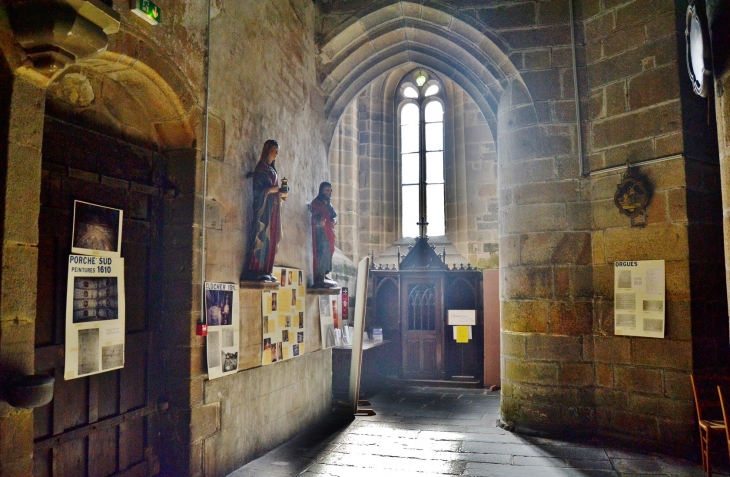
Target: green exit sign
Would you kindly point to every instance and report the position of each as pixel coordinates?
(148, 11)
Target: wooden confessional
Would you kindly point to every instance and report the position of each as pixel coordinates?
(411, 302)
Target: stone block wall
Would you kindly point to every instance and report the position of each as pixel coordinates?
(644, 380)
(258, 409)
(639, 108)
(546, 282)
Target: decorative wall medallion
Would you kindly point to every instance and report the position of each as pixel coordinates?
(631, 197)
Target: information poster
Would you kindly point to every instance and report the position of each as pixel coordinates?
(283, 317)
(330, 320)
(221, 310)
(639, 298)
(95, 315)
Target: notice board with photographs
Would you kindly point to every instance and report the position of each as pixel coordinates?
(283, 317)
(95, 300)
(639, 298)
(221, 313)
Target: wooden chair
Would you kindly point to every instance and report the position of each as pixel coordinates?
(709, 412)
(724, 393)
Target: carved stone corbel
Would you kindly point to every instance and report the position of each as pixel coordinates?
(56, 33)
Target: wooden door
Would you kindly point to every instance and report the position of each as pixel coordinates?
(464, 360)
(104, 424)
(422, 328)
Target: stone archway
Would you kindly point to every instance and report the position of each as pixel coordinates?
(544, 219)
(147, 166)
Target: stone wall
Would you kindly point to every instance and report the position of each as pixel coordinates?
(640, 108)
(263, 86)
(262, 408)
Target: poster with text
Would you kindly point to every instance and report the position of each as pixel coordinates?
(639, 298)
(221, 314)
(97, 230)
(326, 322)
(95, 319)
(282, 310)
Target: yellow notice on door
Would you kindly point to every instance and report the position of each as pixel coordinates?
(462, 333)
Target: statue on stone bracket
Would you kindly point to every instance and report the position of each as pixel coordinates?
(324, 219)
(266, 227)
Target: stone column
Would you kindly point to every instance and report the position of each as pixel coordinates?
(545, 268)
(22, 106)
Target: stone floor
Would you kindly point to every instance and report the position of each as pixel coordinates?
(428, 432)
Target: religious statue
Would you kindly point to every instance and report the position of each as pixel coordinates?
(266, 228)
(324, 219)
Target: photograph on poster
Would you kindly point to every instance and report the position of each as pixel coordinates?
(653, 305)
(624, 279)
(626, 321)
(653, 325)
(283, 317)
(112, 356)
(227, 337)
(88, 351)
(230, 361)
(95, 299)
(97, 230)
(218, 307)
(214, 352)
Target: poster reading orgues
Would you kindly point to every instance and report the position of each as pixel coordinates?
(639, 298)
(221, 310)
(95, 319)
(283, 317)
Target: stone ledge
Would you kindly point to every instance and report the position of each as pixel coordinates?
(324, 291)
(258, 285)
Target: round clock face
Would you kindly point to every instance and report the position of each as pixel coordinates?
(696, 52)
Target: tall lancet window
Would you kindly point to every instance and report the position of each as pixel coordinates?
(421, 138)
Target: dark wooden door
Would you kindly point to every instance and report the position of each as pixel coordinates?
(105, 424)
(464, 361)
(422, 328)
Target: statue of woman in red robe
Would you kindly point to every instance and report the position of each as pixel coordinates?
(266, 228)
(324, 219)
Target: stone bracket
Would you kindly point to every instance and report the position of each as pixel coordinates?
(56, 34)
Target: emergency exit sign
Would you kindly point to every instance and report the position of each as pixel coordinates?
(148, 11)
